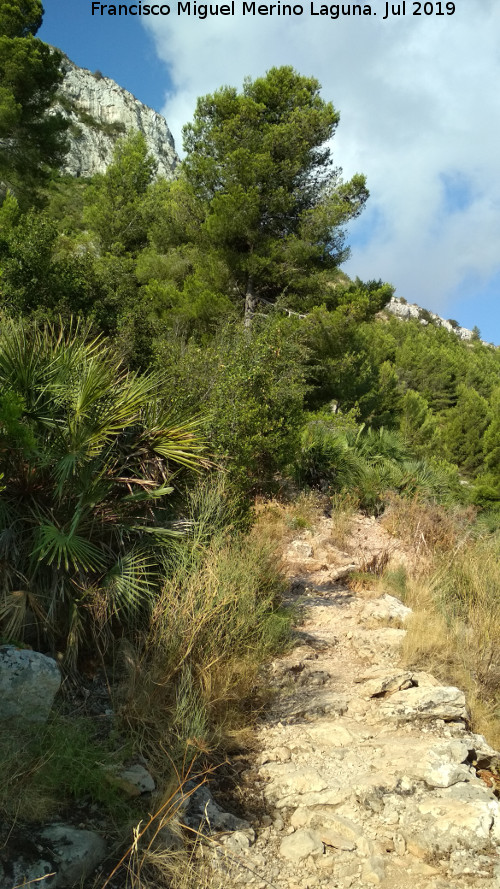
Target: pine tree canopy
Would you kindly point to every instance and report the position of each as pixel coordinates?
(31, 137)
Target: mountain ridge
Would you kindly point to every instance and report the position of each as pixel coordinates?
(401, 309)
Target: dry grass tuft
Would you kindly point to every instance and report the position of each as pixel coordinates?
(218, 617)
(455, 630)
(426, 528)
(279, 520)
(344, 507)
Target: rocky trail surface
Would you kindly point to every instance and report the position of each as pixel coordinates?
(366, 773)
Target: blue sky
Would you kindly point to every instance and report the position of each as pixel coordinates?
(420, 116)
(119, 47)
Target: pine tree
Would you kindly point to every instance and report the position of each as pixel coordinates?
(31, 139)
(259, 177)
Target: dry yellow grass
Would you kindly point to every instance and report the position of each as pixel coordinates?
(425, 527)
(278, 521)
(344, 507)
(454, 633)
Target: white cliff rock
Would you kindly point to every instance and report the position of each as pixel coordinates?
(407, 312)
(100, 113)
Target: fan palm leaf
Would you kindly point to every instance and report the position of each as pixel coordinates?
(83, 507)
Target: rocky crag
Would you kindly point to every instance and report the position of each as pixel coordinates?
(367, 773)
(399, 307)
(100, 112)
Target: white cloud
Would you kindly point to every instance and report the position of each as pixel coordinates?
(418, 98)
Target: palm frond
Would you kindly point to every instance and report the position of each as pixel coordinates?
(88, 487)
(131, 582)
(179, 443)
(146, 492)
(54, 546)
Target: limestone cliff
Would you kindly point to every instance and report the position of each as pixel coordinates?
(401, 309)
(100, 112)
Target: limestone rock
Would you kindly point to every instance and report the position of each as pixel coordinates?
(29, 682)
(138, 779)
(438, 702)
(299, 845)
(336, 840)
(299, 550)
(385, 685)
(444, 774)
(334, 829)
(413, 312)
(374, 870)
(279, 754)
(21, 871)
(203, 813)
(238, 841)
(100, 113)
(389, 609)
(443, 765)
(326, 734)
(295, 779)
(453, 823)
(422, 679)
(78, 852)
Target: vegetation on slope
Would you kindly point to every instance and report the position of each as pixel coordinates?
(158, 336)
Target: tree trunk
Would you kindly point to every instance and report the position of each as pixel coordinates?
(250, 304)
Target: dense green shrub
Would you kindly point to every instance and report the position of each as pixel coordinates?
(336, 456)
(251, 391)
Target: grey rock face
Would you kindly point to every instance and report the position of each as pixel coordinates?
(29, 682)
(100, 113)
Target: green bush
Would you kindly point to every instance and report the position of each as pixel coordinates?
(251, 391)
(336, 456)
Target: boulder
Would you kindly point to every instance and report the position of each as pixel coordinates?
(434, 702)
(455, 823)
(386, 685)
(332, 828)
(301, 844)
(56, 857)
(204, 814)
(444, 766)
(29, 682)
(77, 852)
(387, 609)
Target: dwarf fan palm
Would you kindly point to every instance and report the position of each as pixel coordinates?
(87, 452)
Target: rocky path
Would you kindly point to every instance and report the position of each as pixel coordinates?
(366, 773)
